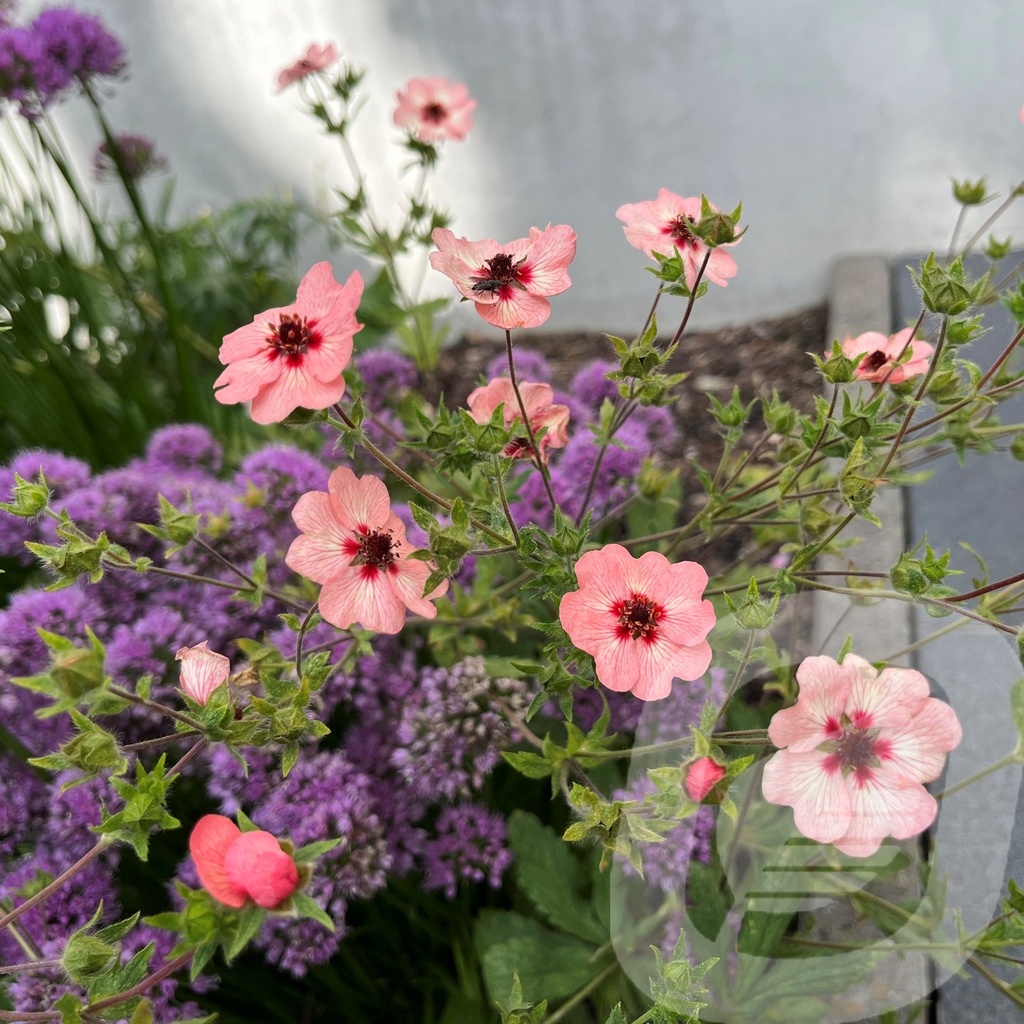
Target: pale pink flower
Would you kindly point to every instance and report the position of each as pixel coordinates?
(318, 58)
(293, 356)
(434, 109)
(508, 282)
(659, 225)
(642, 619)
(880, 355)
(540, 413)
(355, 546)
(202, 671)
(702, 777)
(859, 744)
(236, 866)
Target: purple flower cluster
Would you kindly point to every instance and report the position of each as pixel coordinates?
(138, 155)
(468, 845)
(62, 47)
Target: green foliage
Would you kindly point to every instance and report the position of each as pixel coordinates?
(144, 811)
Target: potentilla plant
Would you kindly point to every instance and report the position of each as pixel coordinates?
(448, 669)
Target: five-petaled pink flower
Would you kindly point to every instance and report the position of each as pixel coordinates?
(318, 58)
(701, 777)
(508, 282)
(859, 744)
(236, 866)
(642, 619)
(355, 546)
(202, 671)
(880, 355)
(434, 109)
(293, 356)
(659, 225)
(540, 413)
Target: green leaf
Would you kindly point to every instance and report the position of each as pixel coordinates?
(249, 922)
(550, 875)
(308, 907)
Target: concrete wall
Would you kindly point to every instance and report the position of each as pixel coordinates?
(837, 124)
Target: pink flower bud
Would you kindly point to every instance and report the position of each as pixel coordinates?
(702, 777)
(235, 866)
(202, 671)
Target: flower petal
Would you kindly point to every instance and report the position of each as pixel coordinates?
(209, 844)
(881, 806)
(815, 790)
(256, 863)
(365, 595)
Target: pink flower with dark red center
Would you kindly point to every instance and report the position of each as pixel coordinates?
(541, 414)
(663, 224)
(236, 866)
(202, 671)
(293, 356)
(318, 58)
(508, 283)
(859, 744)
(642, 619)
(355, 546)
(702, 777)
(434, 109)
(880, 354)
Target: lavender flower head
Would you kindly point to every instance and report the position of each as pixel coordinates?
(469, 846)
(184, 448)
(449, 732)
(529, 366)
(385, 372)
(138, 155)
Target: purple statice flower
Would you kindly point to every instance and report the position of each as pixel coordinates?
(184, 449)
(530, 365)
(77, 47)
(138, 155)
(324, 797)
(592, 387)
(23, 801)
(469, 845)
(385, 374)
(449, 733)
(237, 787)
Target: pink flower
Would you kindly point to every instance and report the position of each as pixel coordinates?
(293, 356)
(880, 354)
(642, 619)
(859, 743)
(659, 225)
(434, 109)
(202, 671)
(509, 282)
(355, 546)
(318, 58)
(702, 777)
(235, 866)
(539, 411)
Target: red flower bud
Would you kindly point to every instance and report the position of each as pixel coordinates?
(702, 777)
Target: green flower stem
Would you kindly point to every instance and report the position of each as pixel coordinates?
(652, 310)
(693, 299)
(156, 741)
(738, 738)
(806, 557)
(302, 635)
(997, 213)
(35, 965)
(145, 985)
(737, 677)
(894, 362)
(504, 503)
(993, 979)
(1003, 762)
(998, 585)
(596, 982)
(152, 705)
(534, 447)
(412, 481)
(826, 426)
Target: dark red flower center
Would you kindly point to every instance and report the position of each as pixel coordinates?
(855, 749)
(434, 113)
(638, 618)
(874, 360)
(517, 448)
(499, 271)
(377, 550)
(680, 230)
(293, 336)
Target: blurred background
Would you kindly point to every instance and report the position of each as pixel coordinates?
(837, 125)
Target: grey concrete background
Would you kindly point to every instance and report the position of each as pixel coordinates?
(979, 839)
(838, 125)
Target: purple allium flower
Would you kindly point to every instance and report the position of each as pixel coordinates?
(184, 448)
(76, 46)
(449, 734)
(23, 800)
(530, 366)
(237, 787)
(21, 53)
(138, 154)
(324, 797)
(385, 373)
(469, 845)
(592, 387)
